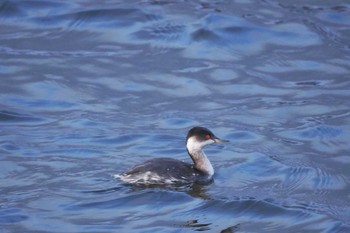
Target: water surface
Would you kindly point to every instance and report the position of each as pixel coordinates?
(90, 88)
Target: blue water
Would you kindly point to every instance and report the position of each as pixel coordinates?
(90, 88)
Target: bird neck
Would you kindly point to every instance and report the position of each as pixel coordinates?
(200, 160)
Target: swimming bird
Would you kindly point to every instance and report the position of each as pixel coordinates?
(167, 171)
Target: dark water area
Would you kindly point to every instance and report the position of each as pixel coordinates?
(89, 88)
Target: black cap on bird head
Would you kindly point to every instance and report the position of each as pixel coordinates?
(203, 134)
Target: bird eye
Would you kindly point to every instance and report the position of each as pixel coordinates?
(207, 136)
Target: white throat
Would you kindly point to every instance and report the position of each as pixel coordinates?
(201, 162)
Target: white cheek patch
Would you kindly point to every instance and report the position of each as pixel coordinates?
(194, 145)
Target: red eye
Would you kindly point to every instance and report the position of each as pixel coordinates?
(207, 136)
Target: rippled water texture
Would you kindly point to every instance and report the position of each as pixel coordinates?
(89, 88)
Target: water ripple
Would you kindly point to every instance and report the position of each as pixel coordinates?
(89, 89)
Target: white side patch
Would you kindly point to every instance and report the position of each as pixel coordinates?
(145, 178)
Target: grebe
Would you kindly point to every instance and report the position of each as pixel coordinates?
(167, 171)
